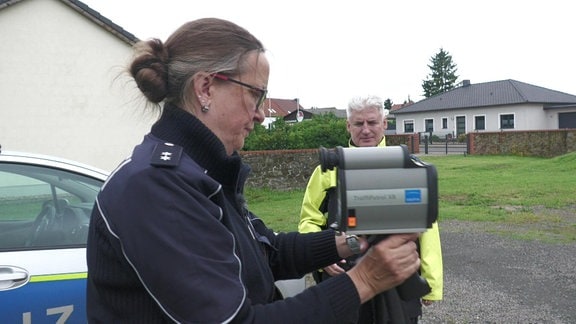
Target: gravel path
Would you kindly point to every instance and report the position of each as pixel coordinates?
(490, 278)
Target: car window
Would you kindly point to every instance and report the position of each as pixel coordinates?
(44, 207)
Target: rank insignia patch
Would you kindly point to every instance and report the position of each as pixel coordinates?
(166, 155)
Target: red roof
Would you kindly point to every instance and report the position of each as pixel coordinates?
(279, 107)
(398, 106)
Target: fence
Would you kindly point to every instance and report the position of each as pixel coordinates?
(447, 146)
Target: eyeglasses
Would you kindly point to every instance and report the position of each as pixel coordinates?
(262, 93)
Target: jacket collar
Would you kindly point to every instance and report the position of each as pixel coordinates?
(381, 144)
(200, 143)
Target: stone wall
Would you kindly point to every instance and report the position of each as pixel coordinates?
(282, 169)
(291, 169)
(545, 143)
(412, 141)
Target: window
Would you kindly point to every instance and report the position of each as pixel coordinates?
(429, 125)
(460, 125)
(43, 206)
(507, 121)
(479, 122)
(445, 123)
(408, 126)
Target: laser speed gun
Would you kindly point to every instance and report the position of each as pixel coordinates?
(380, 190)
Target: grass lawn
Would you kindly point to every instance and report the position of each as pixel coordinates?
(534, 198)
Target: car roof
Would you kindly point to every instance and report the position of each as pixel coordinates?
(53, 162)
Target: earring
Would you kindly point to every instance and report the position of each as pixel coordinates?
(203, 107)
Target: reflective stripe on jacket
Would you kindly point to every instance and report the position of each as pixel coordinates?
(313, 220)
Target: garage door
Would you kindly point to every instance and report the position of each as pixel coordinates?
(567, 120)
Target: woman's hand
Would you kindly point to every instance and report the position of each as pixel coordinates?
(385, 265)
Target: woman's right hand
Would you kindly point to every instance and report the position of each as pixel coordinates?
(385, 265)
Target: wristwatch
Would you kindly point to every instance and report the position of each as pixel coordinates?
(353, 243)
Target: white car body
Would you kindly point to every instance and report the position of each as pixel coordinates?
(45, 281)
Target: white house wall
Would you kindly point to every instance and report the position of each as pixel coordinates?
(552, 119)
(533, 118)
(526, 117)
(60, 90)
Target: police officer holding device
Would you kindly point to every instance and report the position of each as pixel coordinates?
(362, 186)
(172, 239)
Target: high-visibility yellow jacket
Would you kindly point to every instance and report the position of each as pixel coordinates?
(313, 220)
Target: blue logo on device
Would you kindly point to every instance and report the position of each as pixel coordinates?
(413, 196)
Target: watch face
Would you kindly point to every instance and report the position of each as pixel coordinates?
(353, 244)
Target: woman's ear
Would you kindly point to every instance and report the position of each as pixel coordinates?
(202, 87)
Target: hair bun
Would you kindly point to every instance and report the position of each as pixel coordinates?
(149, 69)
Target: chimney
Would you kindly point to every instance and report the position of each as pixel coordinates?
(465, 83)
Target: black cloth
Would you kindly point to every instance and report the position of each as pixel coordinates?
(171, 240)
(387, 307)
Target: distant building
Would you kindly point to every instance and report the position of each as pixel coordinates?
(340, 113)
(391, 129)
(491, 106)
(298, 116)
(278, 108)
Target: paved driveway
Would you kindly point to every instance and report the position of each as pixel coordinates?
(492, 279)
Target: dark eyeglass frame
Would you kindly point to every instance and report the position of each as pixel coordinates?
(263, 92)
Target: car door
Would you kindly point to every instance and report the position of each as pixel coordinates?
(44, 217)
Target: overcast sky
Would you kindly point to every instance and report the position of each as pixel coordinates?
(325, 52)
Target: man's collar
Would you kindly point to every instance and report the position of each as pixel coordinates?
(381, 144)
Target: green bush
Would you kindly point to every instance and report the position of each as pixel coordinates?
(322, 130)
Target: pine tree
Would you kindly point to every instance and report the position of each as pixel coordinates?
(443, 74)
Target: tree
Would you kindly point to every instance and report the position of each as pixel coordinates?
(443, 76)
(388, 104)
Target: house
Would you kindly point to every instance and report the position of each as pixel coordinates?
(278, 108)
(288, 109)
(304, 114)
(297, 116)
(340, 113)
(491, 106)
(391, 129)
(61, 84)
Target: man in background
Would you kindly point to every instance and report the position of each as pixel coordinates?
(366, 123)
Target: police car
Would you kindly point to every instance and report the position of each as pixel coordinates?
(45, 208)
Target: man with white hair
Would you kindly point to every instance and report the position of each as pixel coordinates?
(366, 123)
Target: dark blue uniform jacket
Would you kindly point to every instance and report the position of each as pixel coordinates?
(171, 240)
